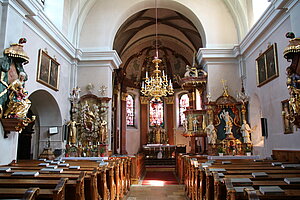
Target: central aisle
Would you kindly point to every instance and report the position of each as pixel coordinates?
(159, 183)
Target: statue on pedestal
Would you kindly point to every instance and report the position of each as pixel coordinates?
(72, 131)
(211, 134)
(228, 121)
(246, 130)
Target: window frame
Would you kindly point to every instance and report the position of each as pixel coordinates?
(133, 111)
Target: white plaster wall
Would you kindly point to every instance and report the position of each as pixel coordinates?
(8, 147)
(225, 71)
(212, 19)
(270, 95)
(35, 41)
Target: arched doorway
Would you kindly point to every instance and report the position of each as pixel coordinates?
(36, 137)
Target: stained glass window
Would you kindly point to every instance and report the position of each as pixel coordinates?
(129, 110)
(183, 104)
(156, 112)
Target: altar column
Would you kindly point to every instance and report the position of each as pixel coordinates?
(170, 119)
(144, 120)
(123, 123)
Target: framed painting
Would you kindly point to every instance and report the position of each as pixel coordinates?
(266, 65)
(48, 70)
(287, 125)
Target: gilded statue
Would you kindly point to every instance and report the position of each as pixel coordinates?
(72, 131)
(18, 106)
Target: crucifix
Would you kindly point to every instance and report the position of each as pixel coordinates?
(225, 88)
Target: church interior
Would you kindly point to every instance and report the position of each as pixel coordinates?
(149, 99)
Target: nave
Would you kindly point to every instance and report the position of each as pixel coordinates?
(194, 177)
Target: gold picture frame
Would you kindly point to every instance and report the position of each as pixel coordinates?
(287, 125)
(267, 65)
(48, 70)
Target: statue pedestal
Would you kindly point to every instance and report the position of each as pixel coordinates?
(12, 125)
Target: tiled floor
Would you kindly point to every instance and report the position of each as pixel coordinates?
(167, 192)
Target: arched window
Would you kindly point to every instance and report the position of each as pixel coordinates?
(183, 104)
(130, 110)
(156, 116)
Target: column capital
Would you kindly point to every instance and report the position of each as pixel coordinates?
(169, 100)
(144, 100)
(124, 96)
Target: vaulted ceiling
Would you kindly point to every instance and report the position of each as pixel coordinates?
(178, 40)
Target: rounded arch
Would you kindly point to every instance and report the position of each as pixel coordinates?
(46, 107)
(166, 4)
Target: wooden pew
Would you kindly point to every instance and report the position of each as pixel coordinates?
(56, 193)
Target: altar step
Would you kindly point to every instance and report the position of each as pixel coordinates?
(168, 162)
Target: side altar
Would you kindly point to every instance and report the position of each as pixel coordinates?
(87, 133)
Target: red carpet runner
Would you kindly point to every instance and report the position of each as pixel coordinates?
(160, 178)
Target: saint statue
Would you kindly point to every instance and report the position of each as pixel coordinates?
(246, 130)
(72, 131)
(195, 124)
(228, 121)
(211, 134)
(18, 106)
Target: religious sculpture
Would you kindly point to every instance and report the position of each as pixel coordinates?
(195, 124)
(228, 121)
(211, 134)
(246, 130)
(72, 132)
(18, 106)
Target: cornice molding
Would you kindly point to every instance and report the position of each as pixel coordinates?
(96, 58)
(273, 12)
(216, 56)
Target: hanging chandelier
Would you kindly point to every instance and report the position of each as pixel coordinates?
(157, 86)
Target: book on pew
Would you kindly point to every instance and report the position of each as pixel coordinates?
(211, 161)
(44, 164)
(5, 169)
(74, 167)
(241, 189)
(258, 160)
(292, 180)
(58, 170)
(55, 162)
(217, 169)
(221, 175)
(274, 190)
(241, 181)
(52, 166)
(103, 164)
(259, 174)
(290, 166)
(42, 159)
(276, 163)
(48, 161)
(226, 162)
(64, 165)
(25, 174)
(205, 164)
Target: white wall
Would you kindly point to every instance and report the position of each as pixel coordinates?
(265, 101)
(216, 26)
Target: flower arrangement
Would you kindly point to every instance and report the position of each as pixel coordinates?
(221, 150)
